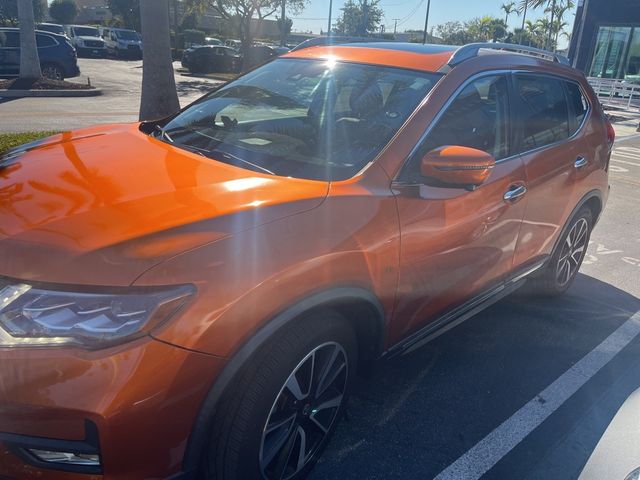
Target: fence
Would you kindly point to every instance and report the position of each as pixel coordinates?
(617, 94)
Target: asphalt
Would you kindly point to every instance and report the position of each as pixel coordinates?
(418, 414)
(120, 82)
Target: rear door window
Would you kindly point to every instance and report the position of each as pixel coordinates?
(544, 112)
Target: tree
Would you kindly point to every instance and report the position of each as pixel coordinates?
(159, 95)
(9, 11)
(552, 8)
(29, 59)
(128, 11)
(284, 27)
(244, 12)
(63, 11)
(453, 33)
(487, 28)
(359, 17)
(508, 9)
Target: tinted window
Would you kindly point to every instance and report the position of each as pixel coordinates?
(9, 39)
(303, 118)
(477, 118)
(44, 40)
(579, 105)
(543, 109)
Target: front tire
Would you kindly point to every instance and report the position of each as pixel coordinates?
(562, 269)
(280, 414)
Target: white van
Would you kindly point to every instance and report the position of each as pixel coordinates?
(87, 40)
(122, 42)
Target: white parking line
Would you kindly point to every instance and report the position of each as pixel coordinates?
(488, 451)
(614, 159)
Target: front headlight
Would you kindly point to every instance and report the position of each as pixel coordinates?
(31, 316)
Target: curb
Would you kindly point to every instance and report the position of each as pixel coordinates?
(50, 93)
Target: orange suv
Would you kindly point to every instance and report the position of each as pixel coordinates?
(192, 297)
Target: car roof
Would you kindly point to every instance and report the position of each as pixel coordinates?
(429, 58)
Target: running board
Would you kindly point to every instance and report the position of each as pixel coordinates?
(460, 314)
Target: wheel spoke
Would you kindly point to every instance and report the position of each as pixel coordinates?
(302, 452)
(275, 424)
(276, 446)
(568, 274)
(331, 372)
(284, 456)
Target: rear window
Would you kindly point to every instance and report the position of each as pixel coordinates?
(543, 109)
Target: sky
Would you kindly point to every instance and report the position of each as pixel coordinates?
(411, 13)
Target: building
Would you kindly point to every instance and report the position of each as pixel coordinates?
(93, 12)
(606, 39)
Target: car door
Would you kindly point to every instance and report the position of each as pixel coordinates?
(553, 161)
(9, 53)
(458, 243)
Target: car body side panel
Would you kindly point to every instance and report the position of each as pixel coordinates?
(351, 240)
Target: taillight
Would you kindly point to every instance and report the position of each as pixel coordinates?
(611, 134)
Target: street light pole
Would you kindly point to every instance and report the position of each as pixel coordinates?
(426, 22)
(329, 23)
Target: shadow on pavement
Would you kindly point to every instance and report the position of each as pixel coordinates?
(419, 413)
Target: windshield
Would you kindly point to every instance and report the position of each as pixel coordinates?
(302, 118)
(126, 35)
(85, 32)
(52, 28)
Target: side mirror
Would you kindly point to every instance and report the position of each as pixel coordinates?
(457, 166)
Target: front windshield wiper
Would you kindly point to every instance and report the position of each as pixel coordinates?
(230, 156)
(163, 133)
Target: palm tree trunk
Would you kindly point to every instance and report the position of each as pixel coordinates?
(550, 37)
(159, 95)
(29, 60)
(524, 19)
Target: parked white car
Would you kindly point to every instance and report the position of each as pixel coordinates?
(122, 42)
(87, 40)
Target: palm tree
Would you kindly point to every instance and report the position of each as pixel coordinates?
(524, 5)
(159, 95)
(508, 9)
(29, 59)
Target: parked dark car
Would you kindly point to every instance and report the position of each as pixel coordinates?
(52, 27)
(206, 58)
(259, 54)
(58, 58)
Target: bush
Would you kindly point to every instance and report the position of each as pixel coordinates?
(192, 37)
(63, 11)
(11, 140)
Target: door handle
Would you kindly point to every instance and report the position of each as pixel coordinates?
(580, 162)
(514, 193)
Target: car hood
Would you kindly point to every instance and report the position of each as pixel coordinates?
(102, 205)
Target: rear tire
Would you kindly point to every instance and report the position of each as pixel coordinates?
(562, 268)
(52, 71)
(280, 413)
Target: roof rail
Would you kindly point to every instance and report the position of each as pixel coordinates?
(333, 40)
(472, 50)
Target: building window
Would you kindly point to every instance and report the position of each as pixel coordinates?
(617, 53)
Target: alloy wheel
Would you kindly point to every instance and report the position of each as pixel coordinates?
(304, 411)
(573, 251)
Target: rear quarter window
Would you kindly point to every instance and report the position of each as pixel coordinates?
(579, 105)
(44, 40)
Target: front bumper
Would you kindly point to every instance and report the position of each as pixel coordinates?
(140, 400)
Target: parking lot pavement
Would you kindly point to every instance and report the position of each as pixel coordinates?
(523, 390)
(121, 83)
